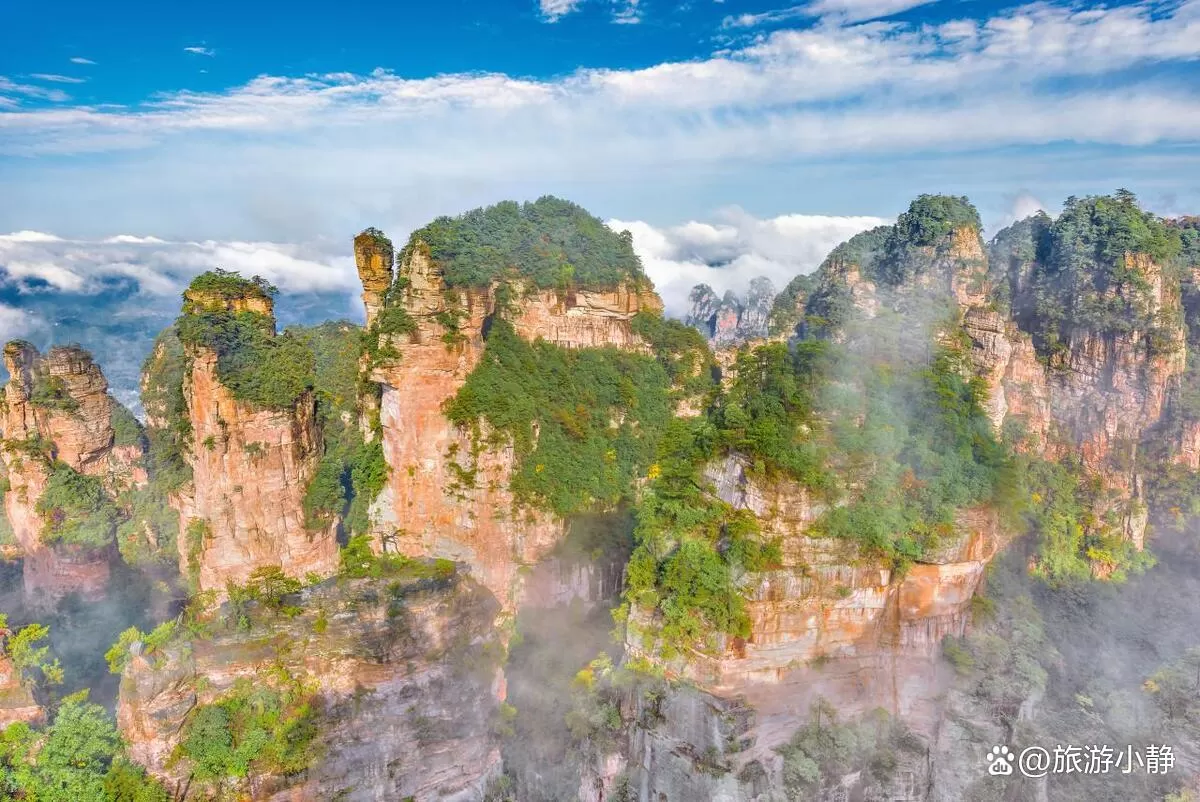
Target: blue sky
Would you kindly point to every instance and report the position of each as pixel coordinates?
(297, 125)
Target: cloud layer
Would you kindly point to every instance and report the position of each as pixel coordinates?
(37, 262)
(728, 253)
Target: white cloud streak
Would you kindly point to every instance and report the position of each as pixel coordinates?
(81, 60)
(56, 79)
(738, 247)
(36, 261)
(200, 51)
(554, 10)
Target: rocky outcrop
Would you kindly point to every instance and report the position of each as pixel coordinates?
(57, 409)
(729, 320)
(425, 509)
(404, 677)
(827, 600)
(17, 703)
(375, 258)
(1096, 398)
(250, 466)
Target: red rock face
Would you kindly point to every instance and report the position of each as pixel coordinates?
(250, 471)
(1097, 401)
(78, 431)
(425, 509)
(374, 259)
(829, 600)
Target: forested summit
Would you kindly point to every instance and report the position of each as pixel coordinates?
(551, 241)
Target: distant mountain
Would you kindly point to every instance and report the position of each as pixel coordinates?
(730, 320)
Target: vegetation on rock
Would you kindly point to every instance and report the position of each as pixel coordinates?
(553, 242)
(1083, 279)
(254, 729)
(584, 423)
(76, 510)
(78, 757)
(252, 363)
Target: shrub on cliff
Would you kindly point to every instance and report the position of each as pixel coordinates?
(351, 472)
(230, 285)
(597, 413)
(692, 549)
(551, 241)
(127, 430)
(162, 398)
(50, 392)
(76, 510)
(768, 407)
(255, 729)
(30, 655)
(256, 367)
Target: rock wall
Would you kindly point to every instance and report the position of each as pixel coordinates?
(1097, 400)
(406, 680)
(57, 407)
(425, 510)
(831, 622)
(243, 509)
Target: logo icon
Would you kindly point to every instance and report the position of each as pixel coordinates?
(1000, 761)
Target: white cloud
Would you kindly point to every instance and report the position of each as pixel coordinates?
(739, 247)
(81, 60)
(749, 20)
(16, 322)
(1021, 204)
(809, 84)
(200, 51)
(860, 10)
(162, 268)
(56, 79)
(553, 10)
(11, 87)
(627, 12)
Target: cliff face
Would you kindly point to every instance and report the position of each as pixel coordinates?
(832, 623)
(57, 409)
(251, 467)
(424, 508)
(1097, 397)
(403, 677)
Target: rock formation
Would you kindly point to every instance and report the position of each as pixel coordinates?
(402, 676)
(375, 259)
(729, 320)
(243, 508)
(57, 411)
(832, 623)
(424, 510)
